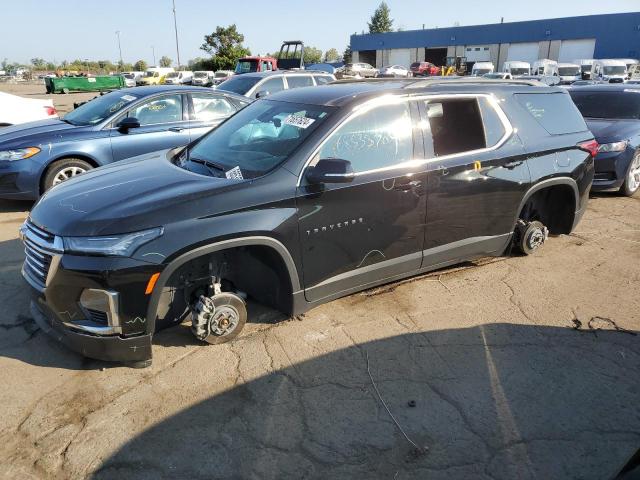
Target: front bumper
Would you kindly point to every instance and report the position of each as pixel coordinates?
(19, 180)
(611, 169)
(97, 306)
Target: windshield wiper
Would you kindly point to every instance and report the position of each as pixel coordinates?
(208, 163)
(68, 121)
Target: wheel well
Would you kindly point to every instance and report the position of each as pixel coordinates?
(89, 160)
(554, 206)
(257, 270)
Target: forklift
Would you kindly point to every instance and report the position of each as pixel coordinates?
(455, 66)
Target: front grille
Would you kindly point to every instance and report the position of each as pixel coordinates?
(98, 317)
(39, 247)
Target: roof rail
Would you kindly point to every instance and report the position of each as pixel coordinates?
(437, 80)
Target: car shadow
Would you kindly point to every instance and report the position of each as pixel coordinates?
(11, 206)
(493, 401)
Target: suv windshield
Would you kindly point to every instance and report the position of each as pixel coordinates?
(247, 66)
(99, 109)
(200, 74)
(172, 74)
(519, 71)
(239, 84)
(619, 105)
(254, 141)
(614, 70)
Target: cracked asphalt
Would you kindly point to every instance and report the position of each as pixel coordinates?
(479, 365)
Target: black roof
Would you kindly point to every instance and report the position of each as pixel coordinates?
(606, 87)
(341, 93)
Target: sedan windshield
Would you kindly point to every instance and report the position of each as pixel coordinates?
(254, 141)
(618, 105)
(239, 84)
(99, 109)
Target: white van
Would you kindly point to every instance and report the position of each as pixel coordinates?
(612, 71)
(629, 62)
(544, 67)
(585, 67)
(154, 76)
(204, 78)
(482, 68)
(516, 69)
(569, 73)
(183, 77)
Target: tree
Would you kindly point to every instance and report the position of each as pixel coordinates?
(312, 55)
(165, 61)
(331, 55)
(140, 66)
(225, 47)
(38, 63)
(347, 55)
(381, 20)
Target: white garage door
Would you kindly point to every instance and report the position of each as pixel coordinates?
(571, 50)
(400, 56)
(524, 52)
(477, 53)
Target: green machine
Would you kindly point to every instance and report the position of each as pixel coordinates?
(83, 84)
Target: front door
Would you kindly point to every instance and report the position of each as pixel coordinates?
(163, 125)
(477, 174)
(371, 229)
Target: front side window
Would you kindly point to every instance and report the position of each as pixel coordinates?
(255, 140)
(297, 81)
(210, 107)
(377, 138)
(165, 109)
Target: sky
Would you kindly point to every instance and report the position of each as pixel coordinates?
(59, 30)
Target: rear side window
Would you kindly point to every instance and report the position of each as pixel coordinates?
(296, 81)
(555, 112)
(209, 107)
(456, 126)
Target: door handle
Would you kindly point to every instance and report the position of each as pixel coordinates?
(405, 187)
(512, 165)
(176, 129)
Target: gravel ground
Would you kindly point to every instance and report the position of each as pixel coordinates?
(480, 366)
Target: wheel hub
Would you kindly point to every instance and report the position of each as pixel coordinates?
(66, 174)
(536, 238)
(634, 174)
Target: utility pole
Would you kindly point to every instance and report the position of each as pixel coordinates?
(119, 48)
(175, 25)
(153, 50)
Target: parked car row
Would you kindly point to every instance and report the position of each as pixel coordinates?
(299, 197)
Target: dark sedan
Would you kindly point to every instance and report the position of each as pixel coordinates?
(38, 155)
(612, 113)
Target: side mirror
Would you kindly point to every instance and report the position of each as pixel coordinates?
(127, 123)
(262, 93)
(330, 170)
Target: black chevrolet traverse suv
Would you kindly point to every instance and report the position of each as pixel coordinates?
(301, 198)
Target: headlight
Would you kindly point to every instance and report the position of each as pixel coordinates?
(612, 147)
(113, 245)
(19, 153)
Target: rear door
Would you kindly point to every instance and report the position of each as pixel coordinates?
(164, 124)
(207, 110)
(477, 173)
(358, 233)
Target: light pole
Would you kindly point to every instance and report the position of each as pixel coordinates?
(119, 48)
(153, 50)
(175, 25)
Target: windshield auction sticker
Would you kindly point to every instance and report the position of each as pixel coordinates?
(297, 121)
(234, 174)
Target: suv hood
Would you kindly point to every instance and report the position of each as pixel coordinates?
(612, 130)
(34, 133)
(132, 195)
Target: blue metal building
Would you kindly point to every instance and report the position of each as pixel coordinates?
(562, 39)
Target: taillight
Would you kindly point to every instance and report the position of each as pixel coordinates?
(51, 112)
(591, 146)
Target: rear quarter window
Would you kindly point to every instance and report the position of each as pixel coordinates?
(555, 112)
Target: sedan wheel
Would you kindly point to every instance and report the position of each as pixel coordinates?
(632, 181)
(66, 174)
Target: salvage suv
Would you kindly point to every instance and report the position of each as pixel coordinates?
(301, 198)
